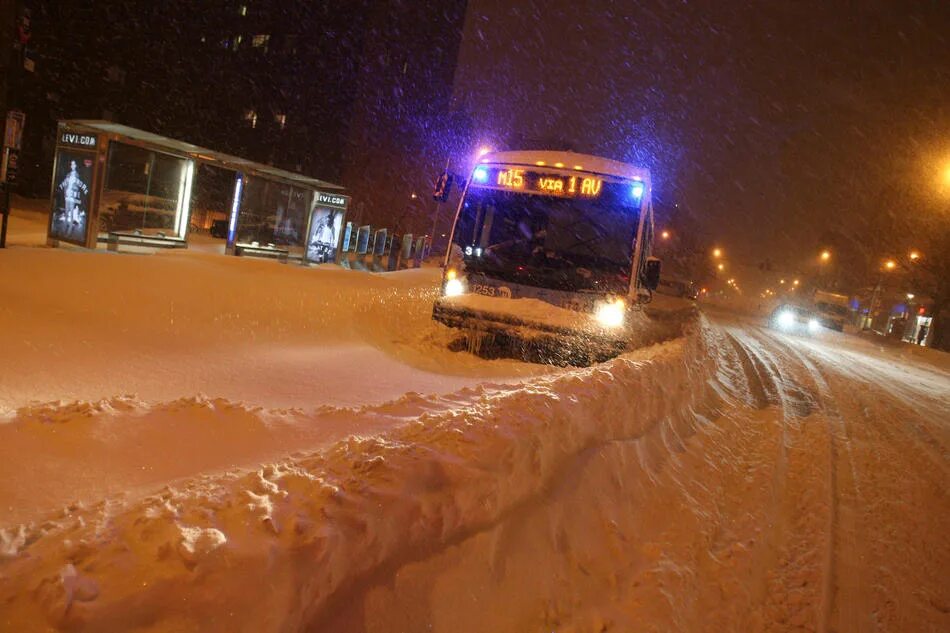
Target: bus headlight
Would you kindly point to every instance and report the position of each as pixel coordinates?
(453, 285)
(813, 325)
(611, 313)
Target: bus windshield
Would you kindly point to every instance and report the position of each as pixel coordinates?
(569, 244)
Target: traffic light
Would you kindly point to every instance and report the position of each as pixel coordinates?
(442, 187)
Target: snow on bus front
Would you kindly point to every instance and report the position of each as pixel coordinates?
(545, 254)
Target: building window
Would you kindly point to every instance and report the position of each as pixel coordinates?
(260, 41)
(251, 117)
(281, 120)
(243, 9)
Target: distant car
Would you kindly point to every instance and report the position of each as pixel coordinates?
(790, 318)
(219, 228)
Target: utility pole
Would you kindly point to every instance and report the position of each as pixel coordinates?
(8, 14)
(14, 37)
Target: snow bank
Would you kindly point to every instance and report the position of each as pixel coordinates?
(87, 326)
(524, 309)
(316, 530)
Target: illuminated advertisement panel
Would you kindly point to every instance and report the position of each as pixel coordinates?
(72, 183)
(325, 224)
(325, 227)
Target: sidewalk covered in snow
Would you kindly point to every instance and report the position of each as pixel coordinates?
(121, 185)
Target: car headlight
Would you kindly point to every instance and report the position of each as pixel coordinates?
(813, 325)
(786, 319)
(611, 313)
(453, 285)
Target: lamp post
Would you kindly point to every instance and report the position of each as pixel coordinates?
(824, 259)
(874, 306)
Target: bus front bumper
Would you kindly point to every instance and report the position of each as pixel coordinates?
(594, 342)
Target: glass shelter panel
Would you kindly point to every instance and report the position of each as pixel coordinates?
(145, 190)
(273, 213)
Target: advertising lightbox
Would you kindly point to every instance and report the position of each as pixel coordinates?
(325, 227)
(72, 184)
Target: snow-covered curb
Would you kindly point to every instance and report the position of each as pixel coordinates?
(276, 549)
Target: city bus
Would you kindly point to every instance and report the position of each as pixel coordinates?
(552, 250)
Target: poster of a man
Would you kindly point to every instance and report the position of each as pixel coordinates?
(324, 234)
(71, 206)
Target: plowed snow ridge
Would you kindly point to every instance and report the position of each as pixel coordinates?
(730, 479)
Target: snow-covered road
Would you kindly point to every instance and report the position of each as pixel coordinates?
(730, 479)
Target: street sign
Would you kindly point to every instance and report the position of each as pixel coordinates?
(8, 167)
(13, 130)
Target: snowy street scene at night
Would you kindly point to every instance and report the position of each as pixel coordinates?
(474, 316)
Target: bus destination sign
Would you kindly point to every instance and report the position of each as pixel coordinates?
(568, 186)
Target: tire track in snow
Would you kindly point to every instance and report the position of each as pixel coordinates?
(791, 588)
(899, 509)
(898, 392)
(840, 518)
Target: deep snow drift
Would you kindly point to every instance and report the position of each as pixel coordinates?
(729, 479)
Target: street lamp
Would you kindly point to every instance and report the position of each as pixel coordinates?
(721, 267)
(665, 235)
(717, 252)
(889, 265)
(825, 256)
(914, 256)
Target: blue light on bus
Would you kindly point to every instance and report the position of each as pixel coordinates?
(637, 190)
(480, 175)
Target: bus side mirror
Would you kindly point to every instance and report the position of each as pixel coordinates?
(652, 273)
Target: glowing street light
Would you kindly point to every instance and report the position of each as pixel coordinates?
(717, 252)
(890, 264)
(910, 295)
(484, 149)
(781, 281)
(665, 235)
(825, 255)
(914, 256)
(795, 282)
(721, 267)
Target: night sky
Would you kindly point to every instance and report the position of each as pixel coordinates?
(770, 123)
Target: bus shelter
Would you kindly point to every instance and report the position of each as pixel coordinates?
(117, 184)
